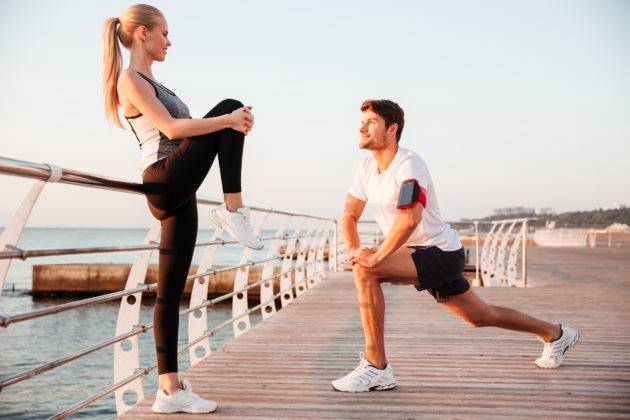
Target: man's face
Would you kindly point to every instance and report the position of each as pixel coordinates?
(373, 132)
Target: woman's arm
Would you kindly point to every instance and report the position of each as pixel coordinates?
(142, 96)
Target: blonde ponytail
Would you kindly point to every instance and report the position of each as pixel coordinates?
(112, 66)
(121, 30)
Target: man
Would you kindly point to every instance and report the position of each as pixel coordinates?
(419, 249)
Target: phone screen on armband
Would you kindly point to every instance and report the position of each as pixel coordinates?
(409, 191)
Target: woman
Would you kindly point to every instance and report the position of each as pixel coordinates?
(176, 155)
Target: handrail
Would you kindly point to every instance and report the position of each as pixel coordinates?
(41, 171)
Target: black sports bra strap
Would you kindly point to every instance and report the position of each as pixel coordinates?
(151, 82)
(156, 84)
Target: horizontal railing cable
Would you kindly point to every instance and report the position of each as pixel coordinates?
(138, 329)
(5, 321)
(144, 371)
(35, 253)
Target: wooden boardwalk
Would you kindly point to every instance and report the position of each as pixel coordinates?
(282, 368)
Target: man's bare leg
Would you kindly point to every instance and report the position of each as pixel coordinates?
(478, 313)
(399, 268)
(394, 268)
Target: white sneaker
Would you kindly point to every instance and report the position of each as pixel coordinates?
(366, 378)
(237, 224)
(182, 400)
(553, 353)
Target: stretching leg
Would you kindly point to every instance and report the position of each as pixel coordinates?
(372, 303)
(478, 313)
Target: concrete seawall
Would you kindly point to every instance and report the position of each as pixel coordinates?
(93, 279)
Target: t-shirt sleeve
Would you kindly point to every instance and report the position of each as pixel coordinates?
(357, 189)
(413, 168)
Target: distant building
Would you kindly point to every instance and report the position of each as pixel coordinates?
(618, 206)
(545, 211)
(618, 227)
(513, 211)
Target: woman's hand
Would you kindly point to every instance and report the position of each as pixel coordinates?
(242, 119)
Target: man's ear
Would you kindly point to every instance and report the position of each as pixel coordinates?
(392, 129)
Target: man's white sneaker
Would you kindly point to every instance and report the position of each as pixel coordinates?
(366, 378)
(237, 224)
(553, 353)
(182, 400)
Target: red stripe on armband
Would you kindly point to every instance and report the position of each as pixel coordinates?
(422, 198)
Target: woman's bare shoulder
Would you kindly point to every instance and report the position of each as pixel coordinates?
(129, 78)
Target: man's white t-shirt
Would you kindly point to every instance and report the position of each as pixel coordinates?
(381, 191)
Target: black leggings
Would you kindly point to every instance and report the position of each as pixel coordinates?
(170, 185)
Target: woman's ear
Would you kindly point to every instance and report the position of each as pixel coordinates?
(142, 33)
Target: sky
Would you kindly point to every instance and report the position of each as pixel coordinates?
(510, 103)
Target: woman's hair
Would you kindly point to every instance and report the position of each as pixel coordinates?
(122, 29)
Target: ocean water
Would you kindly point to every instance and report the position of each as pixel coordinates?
(28, 344)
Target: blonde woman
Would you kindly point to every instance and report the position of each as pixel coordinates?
(176, 155)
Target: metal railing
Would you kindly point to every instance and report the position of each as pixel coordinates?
(305, 242)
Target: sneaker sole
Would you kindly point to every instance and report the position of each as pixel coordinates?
(387, 387)
(571, 344)
(179, 410)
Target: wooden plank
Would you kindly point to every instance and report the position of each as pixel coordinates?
(282, 368)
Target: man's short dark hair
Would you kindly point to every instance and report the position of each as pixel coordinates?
(390, 111)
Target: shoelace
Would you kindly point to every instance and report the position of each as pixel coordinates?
(362, 365)
(243, 219)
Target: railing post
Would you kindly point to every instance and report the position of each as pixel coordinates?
(13, 230)
(287, 264)
(311, 252)
(524, 253)
(266, 287)
(241, 280)
(477, 279)
(301, 273)
(320, 270)
(609, 238)
(127, 353)
(333, 250)
(198, 320)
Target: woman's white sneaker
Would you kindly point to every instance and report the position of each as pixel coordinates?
(366, 378)
(237, 224)
(183, 400)
(553, 353)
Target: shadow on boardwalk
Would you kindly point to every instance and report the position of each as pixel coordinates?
(283, 366)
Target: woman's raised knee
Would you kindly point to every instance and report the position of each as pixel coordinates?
(229, 105)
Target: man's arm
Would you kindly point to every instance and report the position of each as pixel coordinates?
(351, 214)
(406, 222)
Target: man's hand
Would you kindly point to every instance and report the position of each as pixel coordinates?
(364, 256)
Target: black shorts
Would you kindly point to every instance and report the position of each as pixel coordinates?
(441, 273)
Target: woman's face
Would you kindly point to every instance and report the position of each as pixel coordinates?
(156, 40)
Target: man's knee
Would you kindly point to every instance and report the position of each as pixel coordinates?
(363, 274)
(485, 318)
